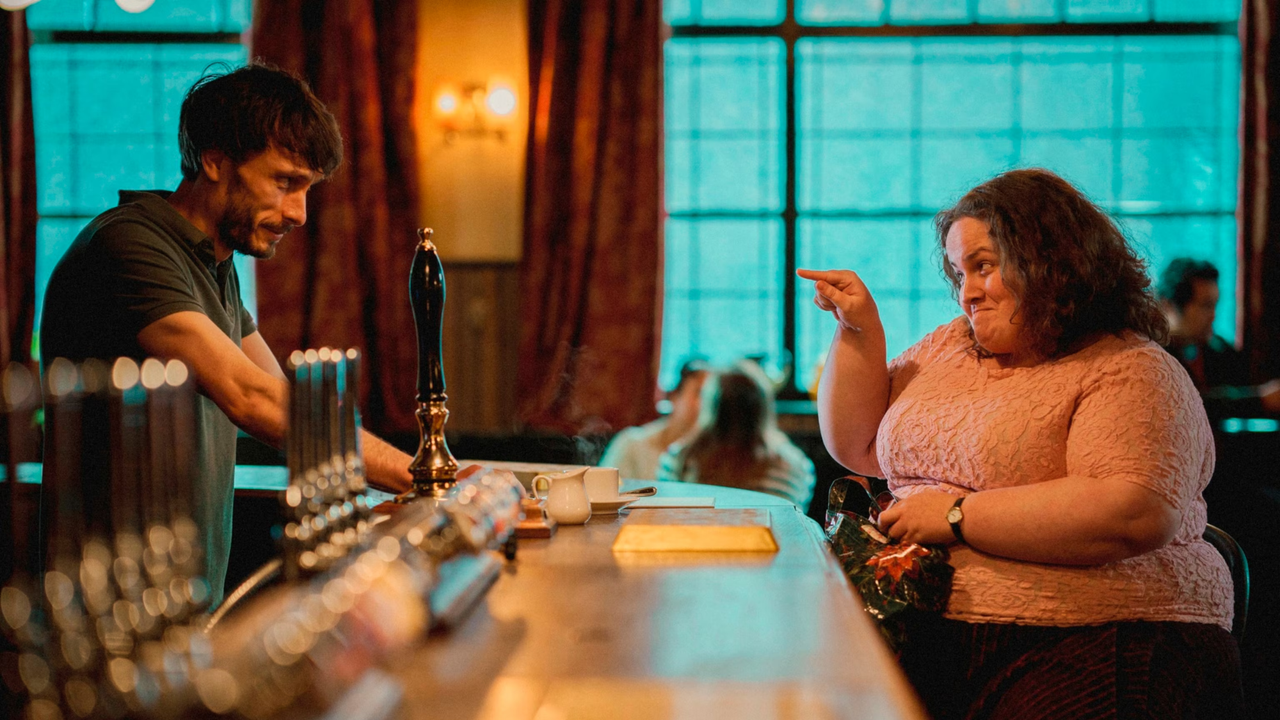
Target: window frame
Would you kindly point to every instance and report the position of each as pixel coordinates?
(49, 37)
(790, 32)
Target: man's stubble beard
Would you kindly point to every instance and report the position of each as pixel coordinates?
(236, 228)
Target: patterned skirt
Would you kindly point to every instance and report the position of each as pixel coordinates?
(1116, 670)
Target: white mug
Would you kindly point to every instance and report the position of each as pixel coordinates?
(566, 496)
(603, 484)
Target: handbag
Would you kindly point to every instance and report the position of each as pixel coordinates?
(894, 579)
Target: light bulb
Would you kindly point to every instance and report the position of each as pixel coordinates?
(501, 100)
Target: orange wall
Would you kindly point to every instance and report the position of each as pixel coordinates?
(473, 188)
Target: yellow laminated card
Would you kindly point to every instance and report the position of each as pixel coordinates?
(696, 530)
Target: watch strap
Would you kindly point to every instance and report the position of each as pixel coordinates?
(955, 524)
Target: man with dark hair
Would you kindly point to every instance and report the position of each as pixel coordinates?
(243, 113)
(153, 277)
(1188, 291)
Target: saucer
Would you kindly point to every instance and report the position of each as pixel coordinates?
(608, 507)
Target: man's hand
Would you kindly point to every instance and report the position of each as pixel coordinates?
(386, 467)
(843, 294)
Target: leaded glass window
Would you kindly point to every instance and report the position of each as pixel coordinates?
(830, 139)
(106, 106)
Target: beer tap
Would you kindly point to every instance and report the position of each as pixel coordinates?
(188, 589)
(326, 509)
(159, 537)
(61, 477)
(301, 497)
(294, 537)
(433, 468)
(104, 633)
(133, 499)
(351, 445)
(96, 589)
(332, 542)
(20, 614)
(69, 646)
(20, 396)
(344, 534)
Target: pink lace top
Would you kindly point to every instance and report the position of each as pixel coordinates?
(1121, 408)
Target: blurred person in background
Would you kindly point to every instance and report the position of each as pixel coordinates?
(1188, 291)
(635, 450)
(738, 444)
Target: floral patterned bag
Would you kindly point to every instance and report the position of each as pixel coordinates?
(894, 579)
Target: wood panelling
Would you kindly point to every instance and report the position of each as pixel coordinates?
(481, 339)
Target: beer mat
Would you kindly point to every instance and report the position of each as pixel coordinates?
(672, 502)
(696, 530)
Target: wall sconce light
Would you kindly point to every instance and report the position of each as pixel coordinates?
(475, 110)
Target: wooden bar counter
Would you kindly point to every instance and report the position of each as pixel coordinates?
(570, 630)
(573, 631)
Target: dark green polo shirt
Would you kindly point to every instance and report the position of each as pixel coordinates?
(130, 266)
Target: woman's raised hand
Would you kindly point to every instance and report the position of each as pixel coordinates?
(843, 294)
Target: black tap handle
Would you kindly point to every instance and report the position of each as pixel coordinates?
(426, 295)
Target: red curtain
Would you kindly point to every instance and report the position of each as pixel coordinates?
(17, 192)
(1259, 275)
(342, 279)
(591, 274)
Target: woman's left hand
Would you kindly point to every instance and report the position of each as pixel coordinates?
(920, 518)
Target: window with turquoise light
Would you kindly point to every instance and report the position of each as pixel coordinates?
(106, 106)
(896, 109)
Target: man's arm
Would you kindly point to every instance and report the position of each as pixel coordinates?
(252, 397)
(259, 353)
(386, 467)
(248, 385)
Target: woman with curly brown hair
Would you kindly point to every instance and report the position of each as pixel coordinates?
(1046, 436)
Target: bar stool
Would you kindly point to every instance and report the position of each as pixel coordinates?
(1239, 567)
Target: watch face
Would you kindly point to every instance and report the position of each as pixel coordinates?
(955, 515)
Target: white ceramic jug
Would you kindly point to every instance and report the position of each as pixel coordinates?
(566, 495)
